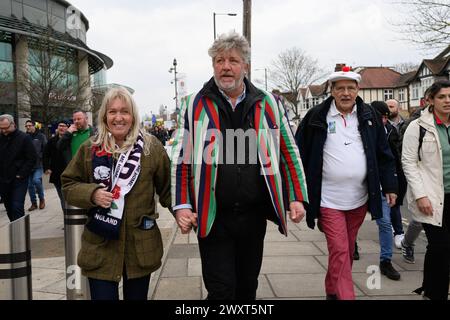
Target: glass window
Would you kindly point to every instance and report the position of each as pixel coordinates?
(6, 71)
(5, 51)
(388, 94)
(401, 95)
(415, 91)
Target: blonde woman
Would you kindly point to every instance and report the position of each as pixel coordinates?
(115, 175)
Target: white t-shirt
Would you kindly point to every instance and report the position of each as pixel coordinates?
(344, 185)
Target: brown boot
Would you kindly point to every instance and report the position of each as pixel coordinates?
(33, 207)
(41, 203)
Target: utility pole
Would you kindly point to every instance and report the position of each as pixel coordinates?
(247, 28)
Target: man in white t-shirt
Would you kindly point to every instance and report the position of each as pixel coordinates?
(346, 158)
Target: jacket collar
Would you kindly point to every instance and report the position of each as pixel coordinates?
(320, 118)
(252, 94)
(427, 119)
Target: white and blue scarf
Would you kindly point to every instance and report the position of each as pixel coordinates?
(119, 180)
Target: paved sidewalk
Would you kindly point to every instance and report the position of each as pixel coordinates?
(294, 267)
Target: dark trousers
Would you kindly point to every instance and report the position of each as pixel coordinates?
(13, 195)
(232, 255)
(133, 289)
(437, 257)
(60, 195)
(396, 220)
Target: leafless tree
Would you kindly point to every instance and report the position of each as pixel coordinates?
(292, 70)
(425, 23)
(51, 81)
(406, 67)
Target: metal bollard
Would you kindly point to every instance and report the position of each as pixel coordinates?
(15, 260)
(77, 285)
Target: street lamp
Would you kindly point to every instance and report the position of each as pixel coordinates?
(265, 75)
(220, 14)
(174, 69)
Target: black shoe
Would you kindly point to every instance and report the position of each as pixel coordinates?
(356, 253)
(388, 270)
(331, 297)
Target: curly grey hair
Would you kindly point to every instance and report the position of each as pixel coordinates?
(229, 41)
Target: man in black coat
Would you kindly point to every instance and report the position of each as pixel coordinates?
(18, 157)
(35, 180)
(54, 162)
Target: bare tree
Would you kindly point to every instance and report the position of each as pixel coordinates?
(406, 67)
(425, 23)
(51, 81)
(292, 70)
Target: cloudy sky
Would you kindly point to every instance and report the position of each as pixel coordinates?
(144, 36)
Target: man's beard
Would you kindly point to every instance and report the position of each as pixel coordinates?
(235, 85)
(393, 115)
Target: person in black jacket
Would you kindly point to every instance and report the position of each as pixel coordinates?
(17, 160)
(35, 179)
(346, 158)
(54, 163)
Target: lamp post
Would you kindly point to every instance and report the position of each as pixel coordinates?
(265, 75)
(220, 14)
(174, 69)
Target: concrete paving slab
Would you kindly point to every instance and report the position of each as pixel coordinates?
(363, 263)
(194, 267)
(278, 237)
(264, 289)
(300, 286)
(184, 251)
(58, 287)
(175, 268)
(58, 263)
(291, 265)
(309, 236)
(410, 280)
(43, 277)
(181, 238)
(183, 288)
(290, 249)
(38, 295)
(47, 247)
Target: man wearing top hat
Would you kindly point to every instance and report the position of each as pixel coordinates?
(346, 158)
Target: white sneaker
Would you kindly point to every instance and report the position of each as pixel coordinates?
(398, 240)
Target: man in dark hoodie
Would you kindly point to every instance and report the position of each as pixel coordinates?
(16, 163)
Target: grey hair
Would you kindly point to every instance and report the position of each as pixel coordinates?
(8, 117)
(232, 40)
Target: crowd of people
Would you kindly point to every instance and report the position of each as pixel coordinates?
(234, 164)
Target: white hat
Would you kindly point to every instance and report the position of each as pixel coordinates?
(345, 74)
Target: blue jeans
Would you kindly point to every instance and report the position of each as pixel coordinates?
(133, 289)
(396, 220)
(35, 183)
(13, 195)
(385, 231)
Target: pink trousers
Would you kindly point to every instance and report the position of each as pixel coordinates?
(341, 228)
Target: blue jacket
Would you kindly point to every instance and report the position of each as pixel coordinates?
(310, 138)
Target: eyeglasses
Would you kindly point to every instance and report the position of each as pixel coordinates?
(28, 125)
(343, 89)
(6, 128)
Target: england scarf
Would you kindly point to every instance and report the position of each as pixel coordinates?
(119, 180)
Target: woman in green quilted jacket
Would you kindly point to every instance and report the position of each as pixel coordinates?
(115, 175)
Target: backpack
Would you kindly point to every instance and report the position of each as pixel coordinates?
(422, 132)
